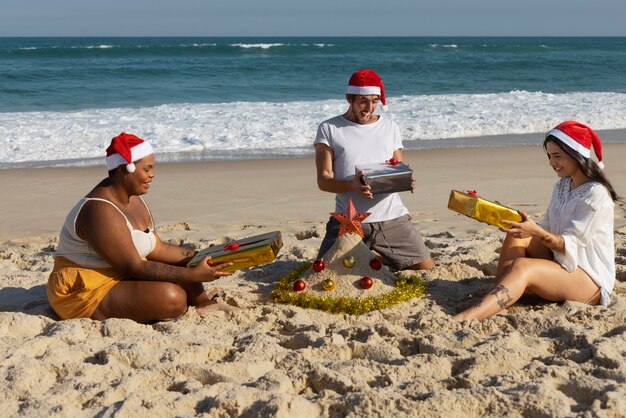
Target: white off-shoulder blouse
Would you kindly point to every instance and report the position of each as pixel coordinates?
(585, 218)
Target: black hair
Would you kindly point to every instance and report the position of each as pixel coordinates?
(116, 169)
(589, 167)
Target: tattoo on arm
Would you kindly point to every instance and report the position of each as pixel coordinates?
(186, 254)
(553, 242)
(502, 296)
(164, 272)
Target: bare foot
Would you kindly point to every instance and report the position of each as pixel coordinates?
(213, 307)
(215, 292)
(467, 314)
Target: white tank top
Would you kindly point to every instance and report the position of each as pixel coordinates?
(77, 250)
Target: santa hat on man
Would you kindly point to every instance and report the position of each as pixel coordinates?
(580, 138)
(125, 149)
(366, 82)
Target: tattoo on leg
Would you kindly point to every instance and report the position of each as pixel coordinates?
(502, 295)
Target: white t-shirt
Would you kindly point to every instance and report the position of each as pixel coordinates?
(585, 218)
(355, 144)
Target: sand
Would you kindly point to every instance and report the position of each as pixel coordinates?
(538, 360)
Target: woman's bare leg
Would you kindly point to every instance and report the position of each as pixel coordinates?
(543, 277)
(143, 301)
(147, 301)
(514, 248)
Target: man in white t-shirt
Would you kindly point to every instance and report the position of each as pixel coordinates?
(361, 137)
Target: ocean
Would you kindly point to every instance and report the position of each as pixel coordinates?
(63, 99)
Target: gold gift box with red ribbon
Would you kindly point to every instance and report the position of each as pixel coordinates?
(470, 204)
(243, 253)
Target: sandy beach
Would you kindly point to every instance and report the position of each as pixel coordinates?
(266, 359)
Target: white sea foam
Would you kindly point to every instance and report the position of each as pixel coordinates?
(196, 45)
(94, 47)
(262, 46)
(253, 129)
(444, 46)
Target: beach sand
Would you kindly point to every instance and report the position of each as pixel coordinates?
(538, 360)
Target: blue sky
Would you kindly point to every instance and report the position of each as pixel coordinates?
(312, 18)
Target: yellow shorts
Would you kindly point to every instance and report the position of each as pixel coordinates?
(76, 292)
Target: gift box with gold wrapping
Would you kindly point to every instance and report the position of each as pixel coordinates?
(387, 177)
(243, 253)
(482, 210)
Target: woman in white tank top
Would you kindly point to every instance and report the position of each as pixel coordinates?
(111, 263)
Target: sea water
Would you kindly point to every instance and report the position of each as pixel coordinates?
(63, 99)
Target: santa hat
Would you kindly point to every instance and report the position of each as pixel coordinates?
(580, 138)
(125, 149)
(366, 82)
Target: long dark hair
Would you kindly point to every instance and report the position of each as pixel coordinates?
(586, 165)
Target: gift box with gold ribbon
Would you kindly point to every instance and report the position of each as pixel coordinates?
(243, 253)
(492, 213)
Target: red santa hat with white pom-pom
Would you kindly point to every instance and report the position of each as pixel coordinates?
(366, 82)
(125, 149)
(580, 138)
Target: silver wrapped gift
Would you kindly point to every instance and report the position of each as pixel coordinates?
(386, 177)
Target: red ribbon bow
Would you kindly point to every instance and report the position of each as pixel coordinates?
(392, 161)
(231, 247)
(472, 193)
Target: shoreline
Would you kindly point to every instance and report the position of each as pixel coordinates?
(609, 136)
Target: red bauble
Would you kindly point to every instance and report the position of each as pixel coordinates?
(299, 285)
(366, 282)
(318, 265)
(376, 264)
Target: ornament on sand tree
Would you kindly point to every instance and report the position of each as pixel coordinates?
(328, 285)
(299, 285)
(347, 278)
(318, 265)
(366, 282)
(350, 220)
(349, 261)
(376, 264)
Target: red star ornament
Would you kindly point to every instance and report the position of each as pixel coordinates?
(350, 220)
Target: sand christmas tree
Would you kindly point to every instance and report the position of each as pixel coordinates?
(348, 278)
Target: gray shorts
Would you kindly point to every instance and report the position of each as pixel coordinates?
(396, 241)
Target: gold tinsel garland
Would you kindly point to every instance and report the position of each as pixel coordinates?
(408, 287)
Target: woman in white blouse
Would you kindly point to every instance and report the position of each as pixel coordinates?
(570, 254)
